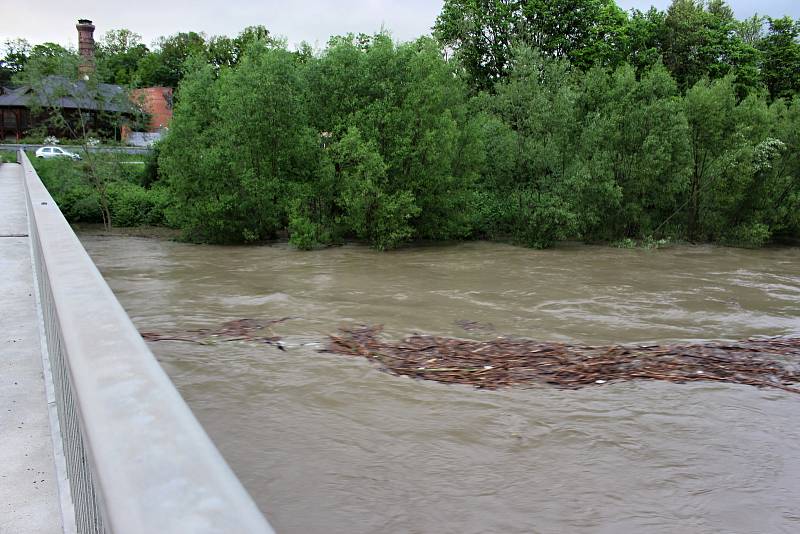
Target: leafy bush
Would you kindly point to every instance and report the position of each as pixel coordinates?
(133, 205)
(79, 200)
(748, 235)
(64, 179)
(303, 233)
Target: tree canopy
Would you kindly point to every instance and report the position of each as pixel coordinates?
(531, 121)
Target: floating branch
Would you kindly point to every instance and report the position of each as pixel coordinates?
(248, 330)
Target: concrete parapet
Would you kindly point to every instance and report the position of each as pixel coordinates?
(137, 458)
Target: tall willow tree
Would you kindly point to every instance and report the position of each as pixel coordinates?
(404, 148)
(533, 179)
(744, 180)
(371, 140)
(238, 148)
(781, 207)
(710, 111)
(637, 134)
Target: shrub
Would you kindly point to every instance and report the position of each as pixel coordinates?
(133, 205)
(303, 232)
(748, 235)
(129, 203)
(64, 179)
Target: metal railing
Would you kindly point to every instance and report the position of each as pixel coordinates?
(137, 459)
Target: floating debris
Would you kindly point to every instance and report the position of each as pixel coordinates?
(505, 362)
(474, 326)
(248, 330)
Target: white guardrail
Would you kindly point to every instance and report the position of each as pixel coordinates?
(137, 459)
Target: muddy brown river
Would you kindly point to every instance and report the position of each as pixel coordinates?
(327, 443)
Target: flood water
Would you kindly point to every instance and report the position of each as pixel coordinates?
(327, 443)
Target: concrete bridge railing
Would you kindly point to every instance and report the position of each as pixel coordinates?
(137, 459)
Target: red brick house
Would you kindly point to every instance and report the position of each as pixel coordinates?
(157, 103)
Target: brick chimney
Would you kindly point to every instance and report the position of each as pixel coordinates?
(86, 46)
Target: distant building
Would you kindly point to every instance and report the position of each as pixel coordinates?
(157, 103)
(99, 105)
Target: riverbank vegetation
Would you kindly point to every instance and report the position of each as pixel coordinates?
(681, 124)
(112, 188)
(393, 142)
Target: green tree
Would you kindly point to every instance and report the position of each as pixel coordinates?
(750, 30)
(586, 32)
(239, 147)
(781, 207)
(226, 52)
(534, 197)
(222, 52)
(781, 50)
(189, 161)
(636, 132)
(369, 210)
(758, 196)
(709, 110)
(165, 65)
(52, 58)
(483, 32)
(643, 38)
(16, 54)
(735, 148)
(699, 40)
(405, 103)
(118, 55)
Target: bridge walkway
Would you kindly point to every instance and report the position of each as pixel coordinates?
(29, 487)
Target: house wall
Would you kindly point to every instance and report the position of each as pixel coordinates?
(157, 101)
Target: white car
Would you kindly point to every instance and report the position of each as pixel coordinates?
(56, 152)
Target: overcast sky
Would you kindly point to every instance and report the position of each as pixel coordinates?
(312, 20)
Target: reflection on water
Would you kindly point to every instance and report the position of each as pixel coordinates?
(329, 444)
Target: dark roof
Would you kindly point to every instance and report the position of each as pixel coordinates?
(60, 92)
(11, 96)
